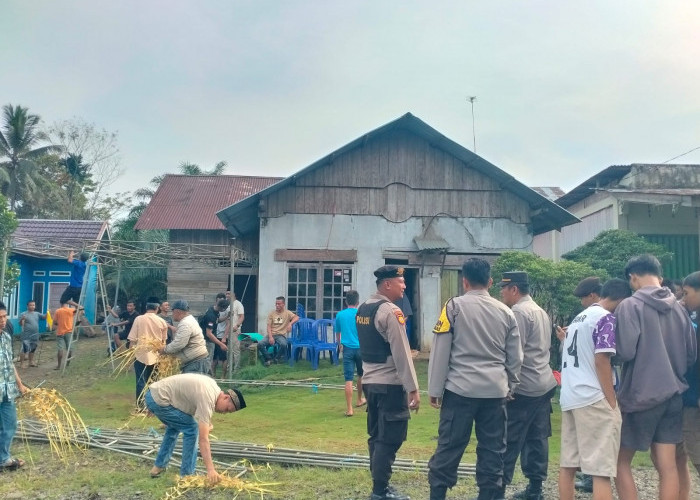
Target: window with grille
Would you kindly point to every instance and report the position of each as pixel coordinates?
(319, 288)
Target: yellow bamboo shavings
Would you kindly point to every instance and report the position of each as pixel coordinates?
(235, 485)
(62, 423)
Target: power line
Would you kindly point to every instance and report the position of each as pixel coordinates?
(687, 152)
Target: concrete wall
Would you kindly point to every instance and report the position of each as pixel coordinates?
(373, 237)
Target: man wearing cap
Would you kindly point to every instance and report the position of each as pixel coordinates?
(389, 380)
(530, 405)
(474, 364)
(188, 342)
(147, 328)
(185, 403)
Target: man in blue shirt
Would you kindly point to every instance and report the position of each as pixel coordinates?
(346, 329)
(71, 294)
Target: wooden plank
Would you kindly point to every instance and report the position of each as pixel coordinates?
(312, 255)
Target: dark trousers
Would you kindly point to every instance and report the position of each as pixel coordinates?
(488, 415)
(387, 426)
(529, 428)
(143, 373)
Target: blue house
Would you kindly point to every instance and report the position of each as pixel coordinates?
(40, 249)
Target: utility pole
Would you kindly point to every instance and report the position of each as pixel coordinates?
(471, 100)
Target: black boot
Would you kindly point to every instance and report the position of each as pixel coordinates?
(389, 494)
(532, 492)
(438, 492)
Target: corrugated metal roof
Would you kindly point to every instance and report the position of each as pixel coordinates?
(241, 218)
(60, 229)
(602, 179)
(552, 193)
(191, 202)
(667, 192)
(428, 244)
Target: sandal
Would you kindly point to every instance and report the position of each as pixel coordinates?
(348, 414)
(12, 464)
(361, 403)
(156, 472)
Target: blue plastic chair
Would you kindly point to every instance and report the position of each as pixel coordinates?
(325, 340)
(303, 335)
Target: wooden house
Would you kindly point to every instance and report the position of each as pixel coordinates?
(186, 207)
(401, 194)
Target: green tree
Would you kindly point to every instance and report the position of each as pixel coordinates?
(611, 250)
(138, 280)
(551, 286)
(78, 182)
(185, 168)
(101, 158)
(20, 143)
(9, 272)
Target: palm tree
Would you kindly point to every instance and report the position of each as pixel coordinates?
(186, 168)
(19, 138)
(79, 180)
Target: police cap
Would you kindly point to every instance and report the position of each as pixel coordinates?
(388, 272)
(514, 278)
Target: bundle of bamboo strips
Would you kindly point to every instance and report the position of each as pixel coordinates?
(63, 426)
(234, 484)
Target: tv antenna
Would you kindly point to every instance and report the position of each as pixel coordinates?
(471, 99)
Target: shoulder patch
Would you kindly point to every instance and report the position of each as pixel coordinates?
(399, 316)
(443, 324)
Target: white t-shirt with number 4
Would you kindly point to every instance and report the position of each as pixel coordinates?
(591, 332)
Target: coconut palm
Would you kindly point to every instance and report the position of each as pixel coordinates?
(186, 168)
(20, 140)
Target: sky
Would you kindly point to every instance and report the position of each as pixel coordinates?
(563, 89)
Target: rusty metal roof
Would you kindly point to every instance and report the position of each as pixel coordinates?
(192, 201)
(552, 193)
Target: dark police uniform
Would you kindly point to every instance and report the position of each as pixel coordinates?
(388, 378)
(474, 363)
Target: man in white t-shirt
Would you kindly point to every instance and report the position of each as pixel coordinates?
(230, 321)
(591, 419)
(185, 403)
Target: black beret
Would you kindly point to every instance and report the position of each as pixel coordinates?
(514, 278)
(387, 272)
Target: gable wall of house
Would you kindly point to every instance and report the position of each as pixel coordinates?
(398, 175)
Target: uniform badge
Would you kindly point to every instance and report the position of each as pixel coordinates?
(399, 316)
(443, 324)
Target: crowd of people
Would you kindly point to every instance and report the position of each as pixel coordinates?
(629, 378)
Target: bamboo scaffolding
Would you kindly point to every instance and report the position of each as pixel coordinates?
(145, 445)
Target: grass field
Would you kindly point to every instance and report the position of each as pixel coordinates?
(280, 416)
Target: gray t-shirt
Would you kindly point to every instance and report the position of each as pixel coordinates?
(30, 330)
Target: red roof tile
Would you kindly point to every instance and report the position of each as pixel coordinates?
(191, 202)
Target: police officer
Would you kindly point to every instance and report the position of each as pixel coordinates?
(389, 382)
(474, 364)
(529, 408)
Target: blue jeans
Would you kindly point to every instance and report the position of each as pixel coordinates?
(8, 427)
(281, 343)
(176, 421)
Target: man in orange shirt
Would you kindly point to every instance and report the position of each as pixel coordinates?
(63, 322)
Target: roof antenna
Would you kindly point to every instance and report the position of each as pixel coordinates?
(471, 100)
